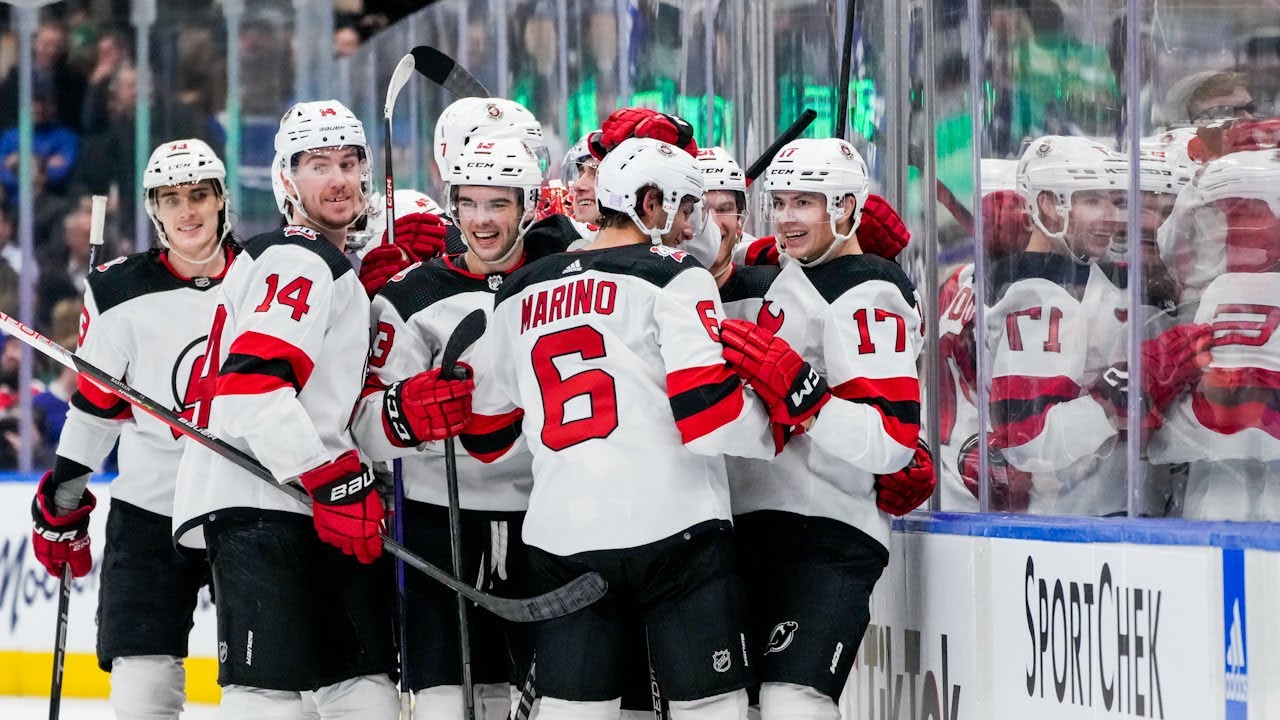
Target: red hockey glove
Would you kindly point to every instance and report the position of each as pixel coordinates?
(630, 122)
(1171, 363)
(1006, 228)
(427, 407)
(792, 389)
(1010, 487)
(763, 251)
(898, 493)
(419, 237)
(555, 199)
(882, 231)
(347, 513)
(58, 541)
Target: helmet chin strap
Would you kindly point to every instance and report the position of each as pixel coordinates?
(525, 222)
(1060, 237)
(296, 202)
(837, 241)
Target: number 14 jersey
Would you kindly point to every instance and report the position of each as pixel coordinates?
(614, 356)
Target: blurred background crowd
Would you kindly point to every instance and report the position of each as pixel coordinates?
(929, 90)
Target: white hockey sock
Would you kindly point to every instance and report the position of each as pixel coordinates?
(148, 687)
(240, 702)
(557, 709)
(787, 701)
(638, 715)
(368, 697)
(726, 706)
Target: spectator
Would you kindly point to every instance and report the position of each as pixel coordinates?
(113, 53)
(50, 70)
(10, 259)
(59, 281)
(346, 40)
(107, 157)
(51, 405)
(55, 145)
(1212, 95)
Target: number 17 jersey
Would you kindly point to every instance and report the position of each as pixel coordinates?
(614, 356)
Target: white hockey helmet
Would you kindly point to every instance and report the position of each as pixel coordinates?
(637, 163)
(1165, 166)
(1065, 165)
(408, 202)
(571, 168)
(313, 126)
(502, 162)
(184, 162)
(720, 171)
(490, 118)
(828, 166)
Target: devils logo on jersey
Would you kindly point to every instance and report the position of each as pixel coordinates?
(768, 319)
(185, 383)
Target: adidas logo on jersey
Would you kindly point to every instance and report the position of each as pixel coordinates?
(573, 267)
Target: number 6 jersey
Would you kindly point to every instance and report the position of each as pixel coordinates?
(284, 367)
(614, 356)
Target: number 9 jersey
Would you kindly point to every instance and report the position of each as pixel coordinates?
(283, 370)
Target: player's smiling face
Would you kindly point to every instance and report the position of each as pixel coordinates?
(189, 215)
(802, 222)
(489, 217)
(1096, 217)
(328, 185)
(584, 192)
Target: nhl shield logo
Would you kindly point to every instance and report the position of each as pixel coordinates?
(201, 282)
(222, 652)
(495, 282)
(720, 661)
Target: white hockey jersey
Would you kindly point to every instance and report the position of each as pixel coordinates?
(413, 317)
(1228, 426)
(1052, 329)
(290, 337)
(613, 355)
(856, 320)
(145, 324)
(957, 406)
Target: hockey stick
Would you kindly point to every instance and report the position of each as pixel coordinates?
(528, 693)
(464, 336)
(447, 73)
(846, 63)
(97, 219)
(399, 77)
(569, 598)
(797, 128)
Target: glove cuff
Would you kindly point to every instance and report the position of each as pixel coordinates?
(394, 423)
(341, 482)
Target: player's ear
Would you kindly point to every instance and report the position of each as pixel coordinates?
(650, 202)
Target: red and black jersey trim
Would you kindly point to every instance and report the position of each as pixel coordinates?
(656, 266)
(257, 364)
(1020, 404)
(1055, 268)
(704, 399)
(489, 437)
(138, 275)
(833, 279)
(93, 400)
(896, 399)
(748, 283)
(430, 283)
(311, 240)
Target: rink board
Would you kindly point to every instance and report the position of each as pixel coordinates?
(29, 604)
(975, 618)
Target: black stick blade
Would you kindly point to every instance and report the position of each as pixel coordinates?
(446, 72)
(463, 337)
(796, 130)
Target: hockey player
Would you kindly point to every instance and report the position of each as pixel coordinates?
(413, 317)
(144, 316)
(613, 354)
(1228, 427)
(813, 523)
(283, 370)
(1057, 335)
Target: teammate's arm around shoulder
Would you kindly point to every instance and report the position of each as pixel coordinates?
(282, 304)
(871, 339)
(712, 412)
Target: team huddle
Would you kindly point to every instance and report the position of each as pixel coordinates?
(719, 426)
